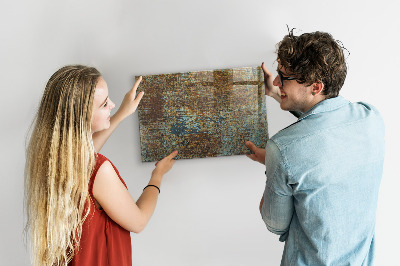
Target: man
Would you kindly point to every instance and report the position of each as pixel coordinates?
(323, 171)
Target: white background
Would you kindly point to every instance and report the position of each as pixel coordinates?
(208, 208)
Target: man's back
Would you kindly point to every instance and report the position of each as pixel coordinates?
(329, 165)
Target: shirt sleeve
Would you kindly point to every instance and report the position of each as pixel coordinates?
(277, 209)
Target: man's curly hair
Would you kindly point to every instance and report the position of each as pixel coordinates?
(314, 57)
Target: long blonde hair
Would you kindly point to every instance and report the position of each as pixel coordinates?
(59, 161)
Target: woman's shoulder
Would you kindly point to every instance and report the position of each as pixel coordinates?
(100, 158)
(105, 167)
(102, 164)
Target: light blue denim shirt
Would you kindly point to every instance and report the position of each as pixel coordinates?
(323, 175)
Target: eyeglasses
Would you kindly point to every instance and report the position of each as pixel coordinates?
(282, 78)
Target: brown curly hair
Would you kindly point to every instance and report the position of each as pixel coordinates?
(314, 57)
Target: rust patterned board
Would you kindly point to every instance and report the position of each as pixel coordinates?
(202, 113)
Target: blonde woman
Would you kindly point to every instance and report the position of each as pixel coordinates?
(78, 207)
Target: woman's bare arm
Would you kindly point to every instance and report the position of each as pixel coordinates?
(119, 205)
(128, 107)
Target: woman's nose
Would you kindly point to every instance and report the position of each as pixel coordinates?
(112, 105)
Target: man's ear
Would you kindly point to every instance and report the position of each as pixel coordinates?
(317, 88)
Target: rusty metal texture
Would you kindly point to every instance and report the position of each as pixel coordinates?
(202, 113)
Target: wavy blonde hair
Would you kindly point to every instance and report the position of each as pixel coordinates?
(59, 162)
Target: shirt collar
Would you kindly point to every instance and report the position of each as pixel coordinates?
(325, 106)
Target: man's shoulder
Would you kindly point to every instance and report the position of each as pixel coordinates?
(368, 114)
(320, 123)
(288, 135)
(367, 107)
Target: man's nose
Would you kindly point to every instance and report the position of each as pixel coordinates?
(277, 81)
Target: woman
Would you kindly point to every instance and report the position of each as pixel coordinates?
(78, 207)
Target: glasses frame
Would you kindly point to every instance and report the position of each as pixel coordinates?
(282, 78)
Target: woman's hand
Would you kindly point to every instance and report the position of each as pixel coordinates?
(163, 166)
(131, 101)
(270, 89)
(128, 107)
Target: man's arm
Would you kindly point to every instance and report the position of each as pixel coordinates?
(128, 107)
(270, 89)
(276, 206)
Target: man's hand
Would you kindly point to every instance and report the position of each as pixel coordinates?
(259, 154)
(270, 89)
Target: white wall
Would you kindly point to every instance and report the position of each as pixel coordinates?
(208, 208)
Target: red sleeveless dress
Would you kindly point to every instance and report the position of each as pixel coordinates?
(103, 241)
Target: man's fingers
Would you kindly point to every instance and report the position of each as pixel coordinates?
(265, 69)
(252, 156)
(251, 146)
